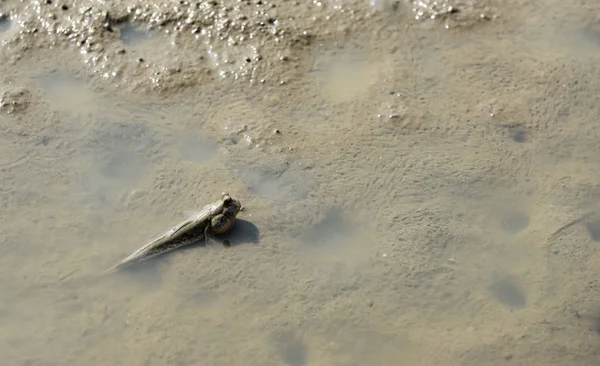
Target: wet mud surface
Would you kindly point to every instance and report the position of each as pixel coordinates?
(420, 182)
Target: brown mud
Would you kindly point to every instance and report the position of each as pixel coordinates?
(420, 179)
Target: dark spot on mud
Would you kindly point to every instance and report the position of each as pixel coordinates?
(228, 140)
(596, 323)
(593, 228)
(519, 134)
(514, 222)
(4, 23)
(591, 34)
(65, 7)
(292, 349)
(507, 292)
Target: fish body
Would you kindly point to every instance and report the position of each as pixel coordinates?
(215, 218)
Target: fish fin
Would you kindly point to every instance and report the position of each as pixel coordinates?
(210, 239)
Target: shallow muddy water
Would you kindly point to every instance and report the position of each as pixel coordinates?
(417, 191)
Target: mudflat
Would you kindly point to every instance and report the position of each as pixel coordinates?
(420, 179)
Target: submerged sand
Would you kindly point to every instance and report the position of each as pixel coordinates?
(420, 179)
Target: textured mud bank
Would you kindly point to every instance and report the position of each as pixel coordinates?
(196, 42)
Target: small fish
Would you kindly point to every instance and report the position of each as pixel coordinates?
(214, 219)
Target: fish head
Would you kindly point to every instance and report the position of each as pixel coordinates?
(231, 206)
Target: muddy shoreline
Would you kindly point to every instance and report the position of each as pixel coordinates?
(208, 41)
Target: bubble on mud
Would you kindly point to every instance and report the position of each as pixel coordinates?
(507, 292)
(514, 222)
(593, 228)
